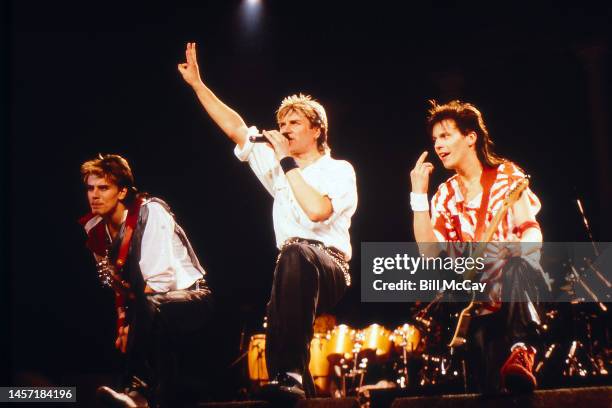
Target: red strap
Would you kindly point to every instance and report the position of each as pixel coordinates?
(487, 178)
(130, 224)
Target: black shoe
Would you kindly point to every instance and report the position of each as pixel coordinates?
(131, 397)
(283, 388)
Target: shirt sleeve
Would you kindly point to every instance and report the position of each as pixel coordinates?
(156, 256)
(261, 159)
(516, 175)
(341, 188)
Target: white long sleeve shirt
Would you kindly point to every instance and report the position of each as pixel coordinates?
(164, 260)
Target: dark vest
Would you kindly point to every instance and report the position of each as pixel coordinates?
(131, 271)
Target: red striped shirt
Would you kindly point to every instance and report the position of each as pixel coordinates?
(454, 219)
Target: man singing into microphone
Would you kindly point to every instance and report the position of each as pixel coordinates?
(315, 197)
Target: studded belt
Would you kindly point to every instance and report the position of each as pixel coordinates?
(337, 256)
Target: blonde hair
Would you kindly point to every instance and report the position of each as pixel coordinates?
(113, 167)
(312, 110)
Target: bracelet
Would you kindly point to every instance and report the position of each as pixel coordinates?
(288, 163)
(418, 202)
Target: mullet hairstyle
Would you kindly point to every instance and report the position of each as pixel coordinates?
(313, 110)
(113, 167)
(468, 119)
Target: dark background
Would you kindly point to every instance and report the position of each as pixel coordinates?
(86, 78)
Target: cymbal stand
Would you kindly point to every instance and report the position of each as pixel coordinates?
(586, 226)
(574, 364)
(356, 368)
(402, 380)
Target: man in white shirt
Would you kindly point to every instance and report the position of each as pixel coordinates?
(315, 197)
(160, 291)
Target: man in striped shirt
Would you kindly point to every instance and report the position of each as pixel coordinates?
(461, 210)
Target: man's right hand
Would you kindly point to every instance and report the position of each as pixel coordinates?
(225, 117)
(189, 70)
(419, 176)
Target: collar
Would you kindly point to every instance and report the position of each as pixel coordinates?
(98, 240)
(320, 160)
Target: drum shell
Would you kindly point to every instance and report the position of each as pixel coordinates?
(376, 341)
(257, 358)
(319, 350)
(409, 334)
(319, 364)
(341, 343)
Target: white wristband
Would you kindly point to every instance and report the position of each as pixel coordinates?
(418, 202)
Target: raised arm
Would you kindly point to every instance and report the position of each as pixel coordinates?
(225, 117)
(423, 230)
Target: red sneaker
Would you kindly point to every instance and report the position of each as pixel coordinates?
(516, 373)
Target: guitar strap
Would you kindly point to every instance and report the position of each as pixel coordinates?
(130, 224)
(487, 178)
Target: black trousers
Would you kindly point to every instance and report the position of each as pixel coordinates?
(307, 282)
(164, 329)
(492, 335)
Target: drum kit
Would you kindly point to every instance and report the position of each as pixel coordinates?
(575, 332)
(415, 355)
(341, 356)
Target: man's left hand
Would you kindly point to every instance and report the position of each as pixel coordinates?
(279, 143)
(122, 338)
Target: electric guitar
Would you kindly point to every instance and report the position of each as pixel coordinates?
(108, 275)
(463, 322)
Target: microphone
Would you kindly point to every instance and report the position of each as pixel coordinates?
(259, 138)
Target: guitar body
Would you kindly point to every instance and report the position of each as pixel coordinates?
(465, 317)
